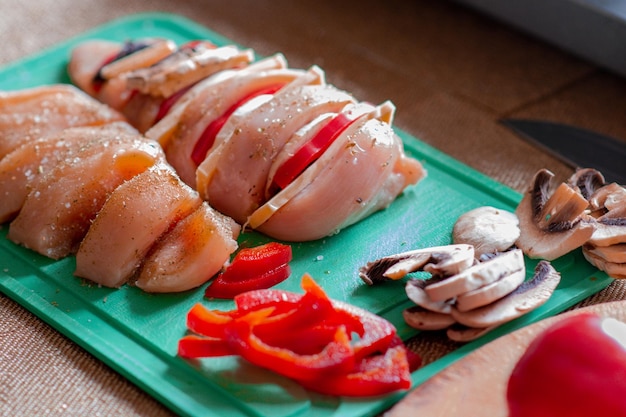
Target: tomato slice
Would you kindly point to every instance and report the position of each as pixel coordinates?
(310, 151)
(207, 138)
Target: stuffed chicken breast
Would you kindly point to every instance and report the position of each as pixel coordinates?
(276, 149)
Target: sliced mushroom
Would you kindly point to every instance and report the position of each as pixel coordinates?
(488, 229)
(460, 333)
(587, 180)
(527, 297)
(611, 197)
(415, 291)
(552, 225)
(491, 292)
(613, 269)
(421, 319)
(477, 276)
(614, 253)
(608, 232)
(440, 260)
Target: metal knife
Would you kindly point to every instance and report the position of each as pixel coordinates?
(577, 147)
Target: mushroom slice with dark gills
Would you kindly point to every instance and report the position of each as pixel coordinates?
(552, 223)
(587, 181)
(438, 260)
(527, 297)
(606, 249)
(490, 292)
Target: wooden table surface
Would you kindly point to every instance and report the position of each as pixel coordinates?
(452, 73)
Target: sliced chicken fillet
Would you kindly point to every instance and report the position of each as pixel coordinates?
(134, 217)
(59, 209)
(191, 253)
(33, 113)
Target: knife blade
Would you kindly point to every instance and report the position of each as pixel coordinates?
(575, 146)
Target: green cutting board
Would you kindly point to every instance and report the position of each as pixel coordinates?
(137, 333)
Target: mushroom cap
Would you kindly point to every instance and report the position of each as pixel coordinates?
(488, 229)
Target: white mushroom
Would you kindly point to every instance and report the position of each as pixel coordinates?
(477, 276)
(460, 333)
(615, 270)
(527, 297)
(421, 319)
(415, 291)
(490, 292)
(486, 228)
(552, 224)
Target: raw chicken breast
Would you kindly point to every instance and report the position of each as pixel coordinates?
(191, 253)
(233, 176)
(134, 217)
(214, 102)
(61, 205)
(142, 77)
(30, 114)
(363, 171)
(21, 167)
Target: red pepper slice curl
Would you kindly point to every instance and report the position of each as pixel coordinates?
(254, 268)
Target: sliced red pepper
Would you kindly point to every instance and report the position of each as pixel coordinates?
(255, 268)
(414, 360)
(337, 356)
(313, 309)
(249, 261)
(311, 150)
(168, 103)
(222, 288)
(374, 375)
(207, 138)
(207, 322)
(193, 346)
(307, 338)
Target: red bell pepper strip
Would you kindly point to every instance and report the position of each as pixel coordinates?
(220, 287)
(337, 356)
(255, 268)
(193, 346)
(207, 138)
(167, 104)
(207, 322)
(374, 375)
(311, 150)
